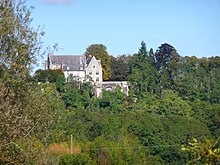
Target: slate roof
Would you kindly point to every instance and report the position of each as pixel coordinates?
(69, 62)
(88, 60)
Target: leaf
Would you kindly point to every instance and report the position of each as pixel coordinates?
(195, 140)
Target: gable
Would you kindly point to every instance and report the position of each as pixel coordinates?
(93, 62)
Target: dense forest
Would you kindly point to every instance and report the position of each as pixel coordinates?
(171, 115)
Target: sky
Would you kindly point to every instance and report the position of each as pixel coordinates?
(192, 27)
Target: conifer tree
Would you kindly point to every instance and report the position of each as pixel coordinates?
(143, 74)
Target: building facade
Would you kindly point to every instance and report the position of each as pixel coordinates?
(82, 69)
(76, 67)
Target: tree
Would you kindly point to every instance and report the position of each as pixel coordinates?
(119, 68)
(166, 61)
(164, 55)
(197, 78)
(76, 159)
(170, 104)
(205, 152)
(143, 74)
(208, 114)
(163, 135)
(75, 98)
(186, 81)
(113, 100)
(100, 52)
(25, 107)
(19, 42)
(214, 66)
(52, 76)
(151, 56)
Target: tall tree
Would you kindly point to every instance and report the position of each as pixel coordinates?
(214, 69)
(198, 79)
(25, 107)
(151, 56)
(164, 55)
(186, 81)
(143, 74)
(166, 62)
(119, 68)
(19, 42)
(100, 52)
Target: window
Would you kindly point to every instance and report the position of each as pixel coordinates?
(97, 79)
(97, 73)
(90, 72)
(93, 66)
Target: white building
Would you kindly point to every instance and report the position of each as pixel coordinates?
(93, 70)
(77, 67)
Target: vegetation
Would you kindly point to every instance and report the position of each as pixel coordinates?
(151, 125)
(51, 76)
(171, 116)
(206, 152)
(100, 52)
(27, 110)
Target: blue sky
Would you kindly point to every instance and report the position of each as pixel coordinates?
(191, 26)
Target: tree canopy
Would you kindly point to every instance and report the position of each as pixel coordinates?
(52, 76)
(164, 55)
(143, 73)
(27, 109)
(100, 52)
(173, 103)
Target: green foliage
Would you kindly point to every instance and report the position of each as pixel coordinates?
(120, 68)
(27, 109)
(113, 101)
(164, 55)
(171, 100)
(20, 43)
(52, 76)
(164, 135)
(166, 62)
(208, 114)
(198, 79)
(120, 152)
(172, 104)
(100, 52)
(143, 74)
(158, 123)
(169, 104)
(73, 98)
(150, 127)
(79, 159)
(205, 152)
(76, 95)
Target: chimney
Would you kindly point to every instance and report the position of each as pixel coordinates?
(80, 60)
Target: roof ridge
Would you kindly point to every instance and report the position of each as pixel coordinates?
(67, 55)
